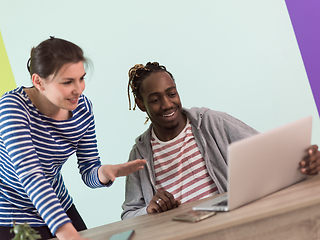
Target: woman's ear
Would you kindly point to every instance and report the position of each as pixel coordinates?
(140, 104)
(37, 82)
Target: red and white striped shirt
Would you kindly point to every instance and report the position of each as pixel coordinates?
(180, 168)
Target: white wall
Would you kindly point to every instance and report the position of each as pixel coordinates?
(240, 57)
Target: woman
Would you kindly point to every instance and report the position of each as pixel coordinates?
(40, 128)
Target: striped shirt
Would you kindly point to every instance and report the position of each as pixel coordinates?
(180, 168)
(33, 148)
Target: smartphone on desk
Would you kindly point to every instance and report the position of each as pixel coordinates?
(123, 235)
(193, 216)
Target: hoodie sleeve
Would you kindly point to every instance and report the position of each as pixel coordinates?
(139, 190)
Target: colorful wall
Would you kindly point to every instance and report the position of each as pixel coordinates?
(6, 77)
(256, 60)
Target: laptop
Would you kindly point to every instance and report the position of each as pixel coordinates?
(263, 164)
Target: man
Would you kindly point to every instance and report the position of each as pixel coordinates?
(185, 149)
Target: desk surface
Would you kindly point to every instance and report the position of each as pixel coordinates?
(293, 211)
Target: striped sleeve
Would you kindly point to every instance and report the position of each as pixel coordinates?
(87, 153)
(15, 132)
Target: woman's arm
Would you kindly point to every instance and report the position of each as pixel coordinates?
(93, 173)
(68, 232)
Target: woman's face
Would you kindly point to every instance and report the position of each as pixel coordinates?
(63, 89)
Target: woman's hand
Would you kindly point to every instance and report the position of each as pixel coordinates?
(310, 164)
(68, 232)
(161, 202)
(110, 172)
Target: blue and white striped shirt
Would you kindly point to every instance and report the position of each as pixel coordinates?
(33, 148)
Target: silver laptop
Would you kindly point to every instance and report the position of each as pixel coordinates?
(262, 164)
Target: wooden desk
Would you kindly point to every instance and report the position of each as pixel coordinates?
(292, 213)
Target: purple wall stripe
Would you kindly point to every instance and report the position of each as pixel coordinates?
(305, 18)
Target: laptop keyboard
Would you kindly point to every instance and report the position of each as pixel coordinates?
(223, 203)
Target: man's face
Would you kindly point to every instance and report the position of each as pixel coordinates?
(161, 101)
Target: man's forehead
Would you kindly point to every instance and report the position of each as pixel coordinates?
(162, 92)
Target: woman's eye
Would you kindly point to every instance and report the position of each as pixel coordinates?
(66, 83)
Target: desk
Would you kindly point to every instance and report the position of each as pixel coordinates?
(292, 213)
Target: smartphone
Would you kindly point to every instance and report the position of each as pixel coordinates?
(193, 216)
(123, 235)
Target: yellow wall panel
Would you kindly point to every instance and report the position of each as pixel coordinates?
(6, 76)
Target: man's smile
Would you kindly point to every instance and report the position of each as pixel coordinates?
(169, 114)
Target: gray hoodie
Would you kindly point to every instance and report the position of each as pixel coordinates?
(213, 132)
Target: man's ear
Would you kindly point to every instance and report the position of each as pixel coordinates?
(140, 104)
(37, 82)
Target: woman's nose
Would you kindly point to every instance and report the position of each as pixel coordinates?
(78, 87)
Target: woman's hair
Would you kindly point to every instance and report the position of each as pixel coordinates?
(50, 55)
(138, 73)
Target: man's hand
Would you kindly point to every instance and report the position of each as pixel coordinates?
(310, 165)
(161, 202)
